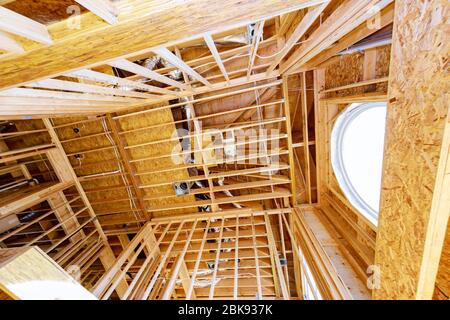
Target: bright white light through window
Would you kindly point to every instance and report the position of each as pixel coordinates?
(357, 155)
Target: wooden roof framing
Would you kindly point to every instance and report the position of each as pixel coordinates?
(238, 109)
(183, 243)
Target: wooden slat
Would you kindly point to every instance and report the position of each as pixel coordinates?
(25, 27)
(9, 44)
(82, 87)
(216, 262)
(180, 64)
(176, 269)
(151, 24)
(212, 47)
(299, 31)
(287, 113)
(189, 293)
(259, 29)
(108, 79)
(345, 18)
(155, 277)
(359, 33)
(102, 8)
(147, 73)
(305, 128)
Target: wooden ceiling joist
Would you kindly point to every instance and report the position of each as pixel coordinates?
(298, 33)
(364, 30)
(218, 183)
(147, 73)
(91, 75)
(212, 47)
(256, 40)
(150, 29)
(22, 26)
(345, 18)
(87, 88)
(105, 9)
(9, 44)
(180, 64)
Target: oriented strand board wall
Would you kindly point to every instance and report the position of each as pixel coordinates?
(418, 96)
(349, 69)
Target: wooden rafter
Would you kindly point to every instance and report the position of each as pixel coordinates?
(256, 40)
(22, 26)
(102, 8)
(298, 33)
(147, 73)
(9, 44)
(212, 47)
(151, 28)
(180, 64)
(345, 18)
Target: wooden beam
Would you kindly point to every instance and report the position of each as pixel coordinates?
(258, 271)
(32, 198)
(216, 261)
(258, 33)
(298, 33)
(276, 265)
(129, 167)
(286, 21)
(287, 113)
(414, 207)
(212, 47)
(147, 73)
(357, 84)
(56, 84)
(344, 19)
(176, 268)
(190, 291)
(359, 33)
(155, 277)
(108, 260)
(236, 260)
(102, 8)
(22, 26)
(108, 79)
(145, 27)
(305, 128)
(180, 64)
(9, 44)
(62, 161)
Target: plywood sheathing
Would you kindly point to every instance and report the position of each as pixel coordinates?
(153, 150)
(417, 113)
(43, 11)
(348, 69)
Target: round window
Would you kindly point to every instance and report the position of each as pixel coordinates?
(357, 147)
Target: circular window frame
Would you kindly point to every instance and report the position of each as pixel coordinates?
(337, 135)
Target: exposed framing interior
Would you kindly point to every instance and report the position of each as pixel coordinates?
(168, 160)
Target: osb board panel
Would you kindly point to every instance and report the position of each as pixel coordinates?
(348, 69)
(44, 11)
(153, 150)
(416, 117)
(90, 163)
